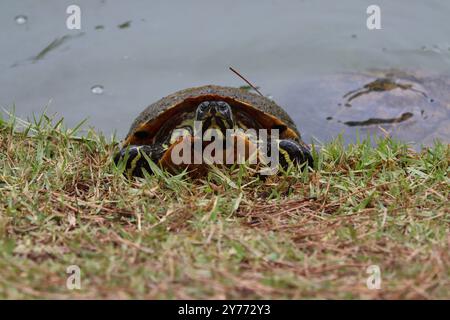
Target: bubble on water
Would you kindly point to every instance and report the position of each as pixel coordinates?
(97, 89)
(21, 19)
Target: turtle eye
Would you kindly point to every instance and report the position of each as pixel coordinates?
(203, 106)
(222, 107)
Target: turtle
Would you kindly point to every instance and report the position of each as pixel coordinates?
(164, 125)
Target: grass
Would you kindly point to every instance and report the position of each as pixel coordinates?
(297, 235)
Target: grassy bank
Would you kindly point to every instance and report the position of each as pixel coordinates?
(297, 235)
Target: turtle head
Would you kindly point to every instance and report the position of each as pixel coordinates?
(215, 114)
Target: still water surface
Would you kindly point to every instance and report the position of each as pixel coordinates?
(303, 54)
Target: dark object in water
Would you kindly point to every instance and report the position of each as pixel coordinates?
(53, 45)
(50, 47)
(124, 25)
(405, 116)
(379, 85)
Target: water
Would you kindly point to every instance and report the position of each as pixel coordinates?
(143, 50)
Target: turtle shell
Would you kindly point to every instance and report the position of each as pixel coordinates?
(265, 111)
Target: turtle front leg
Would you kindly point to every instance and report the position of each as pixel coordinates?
(136, 162)
(292, 152)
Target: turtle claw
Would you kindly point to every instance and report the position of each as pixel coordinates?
(291, 152)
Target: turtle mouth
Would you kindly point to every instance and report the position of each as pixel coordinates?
(217, 122)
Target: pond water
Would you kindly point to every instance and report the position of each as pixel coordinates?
(304, 54)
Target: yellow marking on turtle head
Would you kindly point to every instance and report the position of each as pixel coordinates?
(285, 154)
(133, 163)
